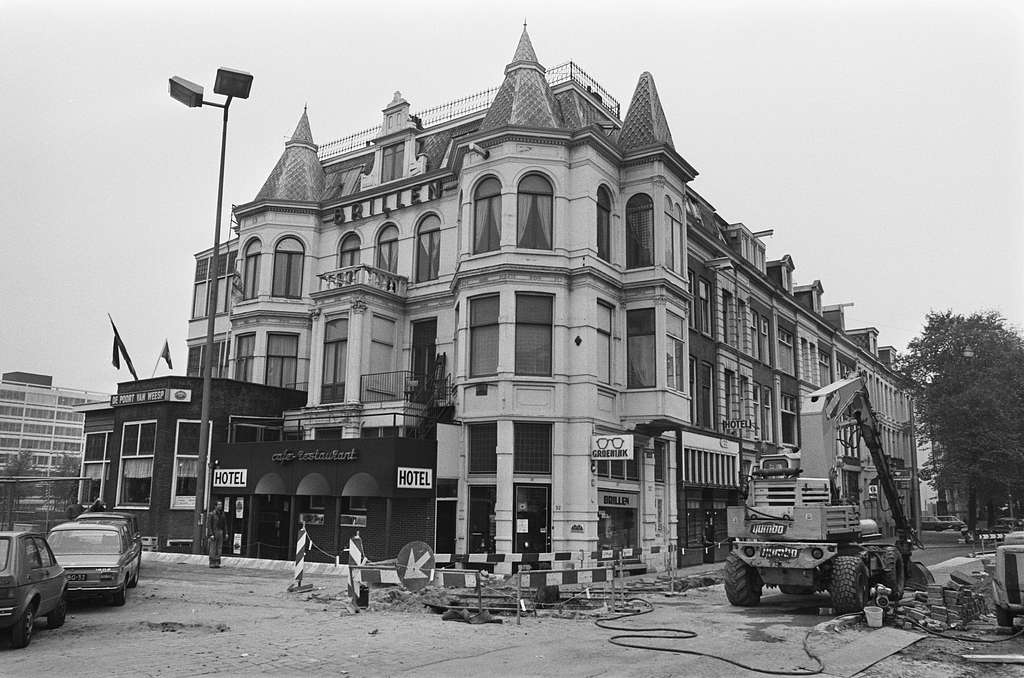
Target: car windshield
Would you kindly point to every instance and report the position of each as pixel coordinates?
(85, 542)
(5, 548)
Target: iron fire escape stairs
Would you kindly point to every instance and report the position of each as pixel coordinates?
(437, 393)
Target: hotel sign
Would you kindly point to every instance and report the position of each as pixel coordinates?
(414, 478)
(156, 395)
(605, 448)
(230, 477)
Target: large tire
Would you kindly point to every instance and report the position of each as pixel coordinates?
(742, 582)
(120, 595)
(55, 619)
(850, 586)
(897, 579)
(1004, 617)
(796, 590)
(21, 632)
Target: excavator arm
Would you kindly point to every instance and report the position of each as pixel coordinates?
(848, 400)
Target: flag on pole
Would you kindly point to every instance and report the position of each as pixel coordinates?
(166, 355)
(119, 350)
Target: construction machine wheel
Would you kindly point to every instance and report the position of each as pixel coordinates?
(743, 584)
(850, 586)
(919, 576)
(796, 589)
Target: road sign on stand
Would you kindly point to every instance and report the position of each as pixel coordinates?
(414, 563)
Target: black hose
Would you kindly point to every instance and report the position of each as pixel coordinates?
(664, 633)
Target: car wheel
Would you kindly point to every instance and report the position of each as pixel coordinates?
(21, 632)
(55, 619)
(120, 595)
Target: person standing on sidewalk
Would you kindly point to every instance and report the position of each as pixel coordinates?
(215, 524)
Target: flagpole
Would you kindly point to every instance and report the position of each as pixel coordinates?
(155, 365)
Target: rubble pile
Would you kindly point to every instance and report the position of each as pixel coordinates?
(951, 606)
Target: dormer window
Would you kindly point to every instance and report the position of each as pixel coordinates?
(392, 158)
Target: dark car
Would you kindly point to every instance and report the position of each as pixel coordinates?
(31, 584)
(931, 523)
(98, 559)
(130, 523)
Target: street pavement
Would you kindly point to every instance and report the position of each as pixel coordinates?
(187, 619)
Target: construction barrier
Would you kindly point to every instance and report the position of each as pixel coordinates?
(536, 579)
(300, 560)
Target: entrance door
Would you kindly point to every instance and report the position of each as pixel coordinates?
(533, 519)
(272, 523)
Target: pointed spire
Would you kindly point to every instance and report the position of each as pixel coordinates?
(645, 123)
(524, 98)
(524, 51)
(298, 174)
(302, 132)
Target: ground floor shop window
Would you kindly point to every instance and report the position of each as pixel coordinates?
(617, 520)
(482, 500)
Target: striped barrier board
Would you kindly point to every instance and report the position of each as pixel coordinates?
(468, 579)
(494, 558)
(536, 579)
(375, 575)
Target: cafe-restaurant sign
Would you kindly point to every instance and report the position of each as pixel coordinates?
(288, 456)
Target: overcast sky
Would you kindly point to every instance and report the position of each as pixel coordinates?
(882, 141)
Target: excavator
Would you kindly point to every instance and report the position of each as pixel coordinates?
(800, 529)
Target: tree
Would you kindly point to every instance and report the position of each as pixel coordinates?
(967, 377)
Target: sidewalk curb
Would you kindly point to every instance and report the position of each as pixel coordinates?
(244, 563)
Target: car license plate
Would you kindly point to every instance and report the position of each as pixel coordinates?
(77, 576)
(767, 528)
(779, 552)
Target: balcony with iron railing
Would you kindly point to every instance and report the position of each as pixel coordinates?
(363, 275)
(474, 103)
(405, 386)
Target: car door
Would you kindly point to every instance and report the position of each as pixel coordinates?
(35, 574)
(51, 585)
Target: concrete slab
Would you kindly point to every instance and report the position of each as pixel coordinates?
(865, 648)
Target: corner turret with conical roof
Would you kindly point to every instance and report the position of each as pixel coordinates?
(524, 98)
(298, 174)
(645, 123)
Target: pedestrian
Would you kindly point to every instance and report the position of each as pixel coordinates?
(215, 524)
(98, 505)
(74, 509)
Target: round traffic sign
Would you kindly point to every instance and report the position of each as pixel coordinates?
(415, 562)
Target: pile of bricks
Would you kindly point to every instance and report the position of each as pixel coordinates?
(949, 606)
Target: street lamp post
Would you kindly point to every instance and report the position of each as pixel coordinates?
(233, 84)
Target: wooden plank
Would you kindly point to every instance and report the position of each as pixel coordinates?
(995, 658)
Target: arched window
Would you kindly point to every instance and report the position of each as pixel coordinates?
(533, 228)
(251, 281)
(639, 231)
(487, 216)
(428, 248)
(288, 269)
(348, 254)
(387, 249)
(604, 224)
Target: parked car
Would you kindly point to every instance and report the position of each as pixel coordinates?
(954, 522)
(98, 559)
(1005, 525)
(130, 523)
(32, 583)
(934, 524)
